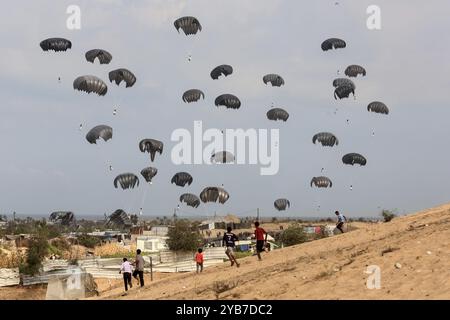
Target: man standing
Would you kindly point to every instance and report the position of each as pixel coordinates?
(340, 222)
(228, 241)
(126, 268)
(260, 239)
(139, 267)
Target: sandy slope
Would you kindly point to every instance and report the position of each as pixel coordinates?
(331, 268)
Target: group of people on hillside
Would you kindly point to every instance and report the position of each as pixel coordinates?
(229, 242)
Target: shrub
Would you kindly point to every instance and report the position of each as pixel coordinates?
(387, 215)
(293, 235)
(36, 253)
(88, 241)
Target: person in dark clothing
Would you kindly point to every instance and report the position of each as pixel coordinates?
(340, 222)
(126, 268)
(228, 241)
(139, 267)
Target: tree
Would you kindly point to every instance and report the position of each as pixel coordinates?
(36, 253)
(293, 235)
(183, 237)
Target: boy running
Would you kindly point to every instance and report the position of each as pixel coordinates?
(199, 260)
(126, 268)
(340, 222)
(260, 239)
(228, 241)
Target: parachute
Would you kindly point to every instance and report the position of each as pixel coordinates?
(181, 179)
(326, 139)
(352, 158)
(354, 70)
(126, 181)
(282, 204)
(90, 84)
(151, 146)
(228, 100)
(214, 194)
(148, 173)
(378, 107)
(339, 82)
(64, 218)
(274, 79)
(190, 199)
(119, 218)
(277, 114)
(223, 69)
(103, 56)
(122, 74)
(321, 182)
(193, 95)
(333, 43)
(55, 44)
(101, 131)
(189, 25)
(343, 92)
(222, 157)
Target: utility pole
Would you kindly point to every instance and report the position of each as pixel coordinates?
(14, 216)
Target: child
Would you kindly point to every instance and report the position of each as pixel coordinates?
(199, 260)
(340, 222)
(228, 240)
(126, 268)
(260, 239)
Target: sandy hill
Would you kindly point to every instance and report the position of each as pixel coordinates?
(413, 253)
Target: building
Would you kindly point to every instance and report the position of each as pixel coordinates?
(151, 243)
(221, 223)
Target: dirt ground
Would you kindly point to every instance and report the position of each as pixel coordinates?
(412, 253)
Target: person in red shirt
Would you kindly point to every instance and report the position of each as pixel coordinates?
(260, 239)
(199, 260)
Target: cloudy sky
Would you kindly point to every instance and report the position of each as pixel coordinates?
(46, 163)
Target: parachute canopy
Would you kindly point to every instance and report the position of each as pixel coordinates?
(102, 131)
(189, 25)
(378, 107)
(126, 181)
(223, 69)
(333, 43)
(119, 218)
(282, 204)
(64, 218)
(343, 92)
(190, 199)
(55, 44)
(339, 82)
(354, 158)
(354, 70)
(222, 157)
(148, 173)
(151, 146)
(103, 56)
(321, 182)
(326, 139)
(90, 84)
(228, 100)
(181, 179)
(122, 74)
(193, 95)
(214, 194)
(277, 114)
(274, 79)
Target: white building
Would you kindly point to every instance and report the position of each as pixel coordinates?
(151, 243)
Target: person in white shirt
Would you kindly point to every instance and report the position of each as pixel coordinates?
(340, 222)
(127, 270)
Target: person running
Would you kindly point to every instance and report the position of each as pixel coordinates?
(228, 241)
(199, 260)
(127, 269)
(341, 219)
(139, 267)
(260, 239)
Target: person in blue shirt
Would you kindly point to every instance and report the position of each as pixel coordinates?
(229, 239)
(341, 219)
